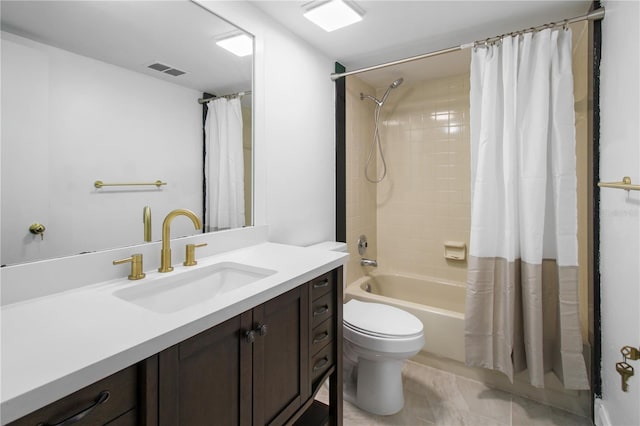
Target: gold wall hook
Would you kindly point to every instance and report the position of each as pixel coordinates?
(37, 229)
(629, 353)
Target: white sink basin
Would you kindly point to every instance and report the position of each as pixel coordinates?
(182, 290)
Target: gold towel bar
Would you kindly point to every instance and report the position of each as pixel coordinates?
(625, 184)
(100, 184)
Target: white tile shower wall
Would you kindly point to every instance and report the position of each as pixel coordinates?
(425, 199)
(361, 194)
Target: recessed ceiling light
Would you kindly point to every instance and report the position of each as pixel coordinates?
(240, 44)
(333, 14)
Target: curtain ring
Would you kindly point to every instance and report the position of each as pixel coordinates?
(566, 25)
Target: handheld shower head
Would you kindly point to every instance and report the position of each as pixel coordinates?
(393, 85)
(376, 134)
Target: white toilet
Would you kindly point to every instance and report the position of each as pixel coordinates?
(378, 339)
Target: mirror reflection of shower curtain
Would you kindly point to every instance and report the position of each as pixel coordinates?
(224, 165)
(522, 284)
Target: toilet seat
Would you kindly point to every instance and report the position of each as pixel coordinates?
(379, 320)
(380, 335)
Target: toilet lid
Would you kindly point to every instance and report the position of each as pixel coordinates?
(377, 319)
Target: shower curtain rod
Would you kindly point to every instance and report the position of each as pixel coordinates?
(591, 16)
(229, 96)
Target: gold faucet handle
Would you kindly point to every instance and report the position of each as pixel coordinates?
(136, 266)
(190, 255)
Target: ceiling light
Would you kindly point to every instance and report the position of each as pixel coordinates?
(240, 44)
(333, 14)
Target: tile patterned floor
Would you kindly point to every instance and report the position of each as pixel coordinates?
(436, 397)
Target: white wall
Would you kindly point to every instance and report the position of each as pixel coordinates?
(619, 210)
(294, 111)
(67, 121)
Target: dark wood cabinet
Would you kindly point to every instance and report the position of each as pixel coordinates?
(203, 377)
(281, 357)
(249, 370)
(262, 367)
(112, 400)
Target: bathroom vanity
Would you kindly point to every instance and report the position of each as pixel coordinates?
(250, 356)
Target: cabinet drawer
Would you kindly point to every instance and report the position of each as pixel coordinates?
(321, 335)
(321, 362)
(321, 285)
(321, 309)
(130, 418)
(122, 388)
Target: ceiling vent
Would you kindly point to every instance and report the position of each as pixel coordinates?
(166, 69)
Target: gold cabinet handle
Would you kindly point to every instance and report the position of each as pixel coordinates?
(190, 255)
(136, 266)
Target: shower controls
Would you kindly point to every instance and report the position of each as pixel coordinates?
(362, 245)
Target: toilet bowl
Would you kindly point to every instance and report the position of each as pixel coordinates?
(378, 339)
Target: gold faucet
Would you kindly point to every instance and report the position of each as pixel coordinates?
(165, 254)
(146, 219)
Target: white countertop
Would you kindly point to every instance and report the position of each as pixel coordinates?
(60, 343)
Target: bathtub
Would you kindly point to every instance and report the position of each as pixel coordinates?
(438, 304)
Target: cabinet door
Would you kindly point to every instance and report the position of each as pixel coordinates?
(207, 379)
(281, 357)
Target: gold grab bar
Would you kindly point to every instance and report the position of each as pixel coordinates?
(625, 184)
(100, 184)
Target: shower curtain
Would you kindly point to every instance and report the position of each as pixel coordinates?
(224, 164)
(522, 283)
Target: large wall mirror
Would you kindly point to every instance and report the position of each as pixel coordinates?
(109, 91)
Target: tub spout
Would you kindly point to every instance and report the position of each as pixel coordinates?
(369, 262)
